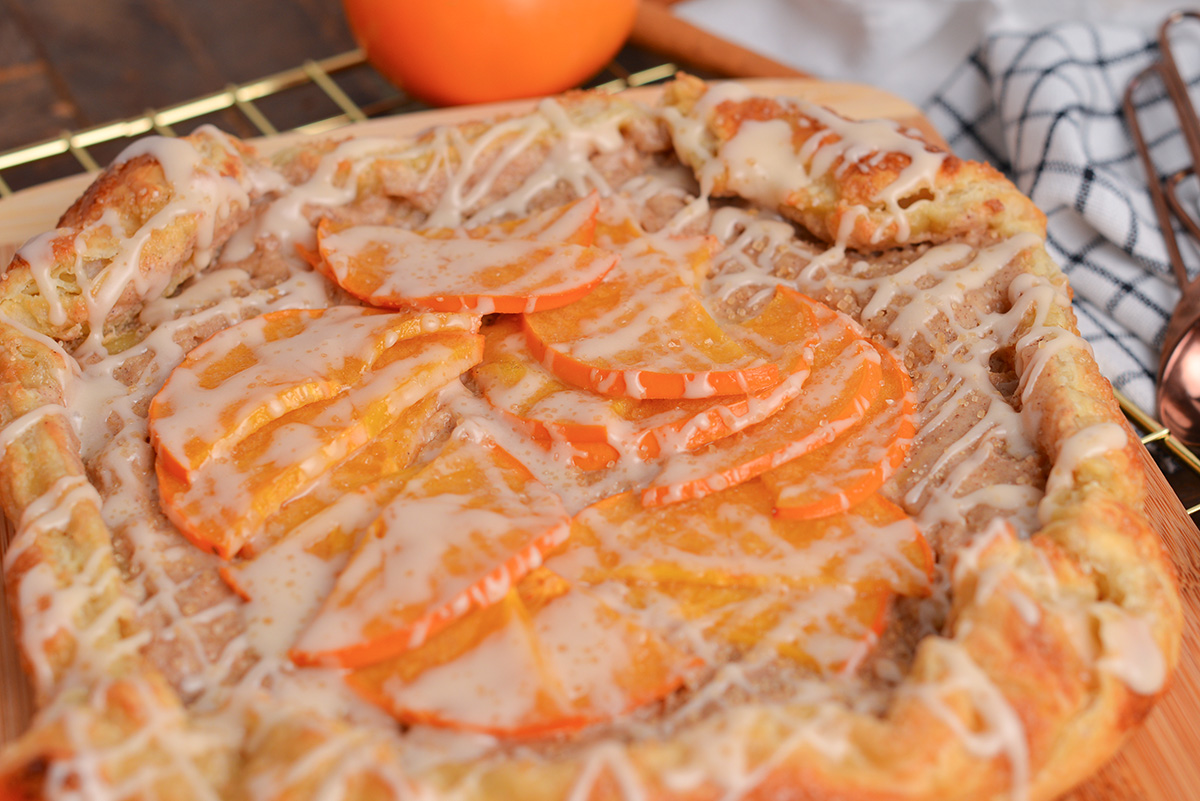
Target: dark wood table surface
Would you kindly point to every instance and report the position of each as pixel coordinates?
(72, 64)
(67, 64)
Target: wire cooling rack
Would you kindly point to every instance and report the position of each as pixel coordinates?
(632, 67)
(246, 99)
(1178, 462)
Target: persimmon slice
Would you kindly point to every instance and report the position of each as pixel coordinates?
(283, 586)
(572, 223)
(823, 629)
(745, 579)
(833, 625)
(251, 373)
(544, 660)
(601, 428)
(845, 472)
(456, 537)
(226, 500)
(709, 541)
(843, 383)
(375, 465)
(292, 563)
(644, 332)
(518, 267)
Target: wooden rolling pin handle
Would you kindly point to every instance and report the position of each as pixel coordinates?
(657, 29)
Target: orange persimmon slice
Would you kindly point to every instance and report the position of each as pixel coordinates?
(544, 660)
(644, 332)
(803, 585)
(521, 266)
(291, 564)
(600, 429)
(843, 473)
(708, 541)
(226, 500)
(572, 223)
(284, 584)
(825, 629)
(843, 383)
(456, 537)
(832, 626)
(251, 373)
(548, 409)
(374, 465)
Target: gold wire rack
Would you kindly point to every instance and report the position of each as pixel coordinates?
(244, 98)
(1179, 463)
(1172, 455)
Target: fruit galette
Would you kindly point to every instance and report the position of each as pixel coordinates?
(715, 446)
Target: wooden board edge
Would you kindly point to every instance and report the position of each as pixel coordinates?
(1161, 758)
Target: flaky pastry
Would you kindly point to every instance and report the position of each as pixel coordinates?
(274, 542)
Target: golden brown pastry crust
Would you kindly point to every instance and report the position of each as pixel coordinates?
(124, 200)
(1094, 548)
(846, 203)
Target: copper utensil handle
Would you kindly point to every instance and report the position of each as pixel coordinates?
(1181, 214)
(1176, 398)
(1166, 203)
(1175, 85)
(660, 31)
(1158, 197)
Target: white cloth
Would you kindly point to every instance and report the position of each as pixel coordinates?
(1037, 91)
(907, 47)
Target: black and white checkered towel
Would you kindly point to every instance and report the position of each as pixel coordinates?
(1046, 108)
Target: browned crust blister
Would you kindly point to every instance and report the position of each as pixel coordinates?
(1095, 546)
(124, 199)
(966, 197)
(81, 705)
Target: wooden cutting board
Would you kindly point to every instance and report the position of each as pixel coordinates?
(1160, 762)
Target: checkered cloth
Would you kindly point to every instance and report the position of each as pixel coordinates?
(1046, 109)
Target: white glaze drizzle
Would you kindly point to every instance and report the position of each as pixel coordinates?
(715, 741)
(1087, 443)
(198, 191)
(1129, 649)
(760, 163)
(1004, 732)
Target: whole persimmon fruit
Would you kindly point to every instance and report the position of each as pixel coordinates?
(450, 52)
